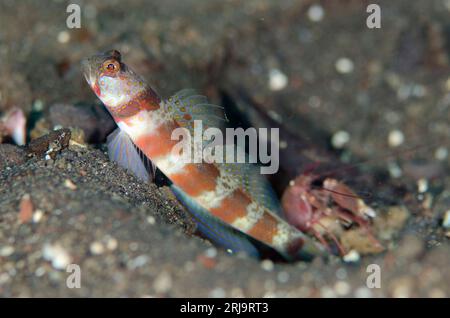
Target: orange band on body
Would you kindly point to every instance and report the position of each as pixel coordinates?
(232, 207)
(159, 142)
(265, 229)
(196, 178)
(146, 100)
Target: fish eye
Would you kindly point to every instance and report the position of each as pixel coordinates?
(111, 66)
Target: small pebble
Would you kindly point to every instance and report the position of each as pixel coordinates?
(437, 293)
(394, 170)
(363, 292)
(327, 292)
(402, 288)
(217, 293)
(189, 266)
(57, 255)
(446, 220)
(4, 277)
(314, 101)
(38, 215)
(267, 265)
(151, 220)
(277, 80)
(447, 82)
(6, 251)
(275, 116)
(133, 246)
(392, 117)
(316, 13)
(395, 138)
(344, 65)
(269, 285)
(441, 153)
(283, 277)
(351, 257)
(139, 261)
(237, 293)
(163, 283)
(97, 248)
(39, 272)
(63, 37)
(211, 252)
(342, 288)
(111, 243)
(340, 139)
(427, 202)
(404, 92)
(447, 5)
(38, 105)
(407, 91)
(26, 209)
(69, 184)
(341, 273)
(419, 90)
(422, 185)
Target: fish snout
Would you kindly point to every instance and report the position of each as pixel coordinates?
(86, 67)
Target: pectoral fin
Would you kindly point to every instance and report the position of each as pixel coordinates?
(122, 150)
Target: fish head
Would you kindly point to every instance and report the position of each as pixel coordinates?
(112, 81)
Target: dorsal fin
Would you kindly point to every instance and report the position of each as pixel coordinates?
(187, 105)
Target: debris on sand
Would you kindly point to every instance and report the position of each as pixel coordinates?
(50, 144)
(359, 240)
(26, 209)
(13, 124)
(390, 223)
(69, 184)
(446, 220)
(57, 255)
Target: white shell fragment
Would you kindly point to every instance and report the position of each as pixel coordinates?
(96, 248)
(63, 37)
(344, 65)
(394, 170)
(441, 153)
(395, 138)
(316, 13)
(57, 255)
(277, 80)
(6, 251)
(351, 257)
(340, 139)
(422, 185)
(267, 265)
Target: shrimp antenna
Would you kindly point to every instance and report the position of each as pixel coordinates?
(364, 194)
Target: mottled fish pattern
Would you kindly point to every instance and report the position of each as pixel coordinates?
(229, 201)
